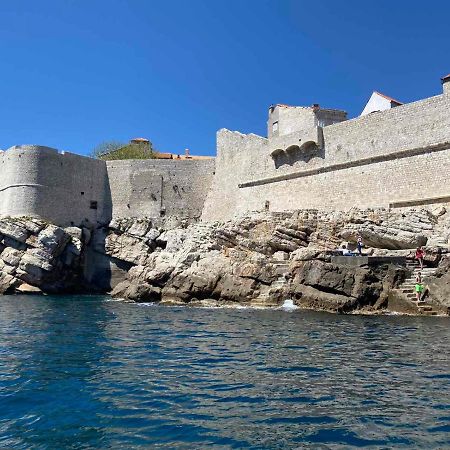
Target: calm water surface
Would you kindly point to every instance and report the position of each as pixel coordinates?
(84, 372)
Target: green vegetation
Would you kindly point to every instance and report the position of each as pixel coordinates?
(113, 150)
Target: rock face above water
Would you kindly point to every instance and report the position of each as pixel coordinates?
(260, 259)
(264, 259)
(36, 256)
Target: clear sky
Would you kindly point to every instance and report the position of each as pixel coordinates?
(75, 73)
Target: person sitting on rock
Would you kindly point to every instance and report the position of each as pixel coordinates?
(419, 256)
(346, 251)
(419, 286)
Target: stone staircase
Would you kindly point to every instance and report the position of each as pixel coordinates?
(407, 288)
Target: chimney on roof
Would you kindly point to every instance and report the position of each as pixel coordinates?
(446, 84)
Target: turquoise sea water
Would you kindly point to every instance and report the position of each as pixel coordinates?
(85, 372)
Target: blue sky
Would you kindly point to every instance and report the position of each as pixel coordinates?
(75, 73)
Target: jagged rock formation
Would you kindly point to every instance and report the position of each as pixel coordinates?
(260, 259)
(238, 261)
(36, 256)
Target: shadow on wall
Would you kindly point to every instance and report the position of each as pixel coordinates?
(101, 271)
(295, 153)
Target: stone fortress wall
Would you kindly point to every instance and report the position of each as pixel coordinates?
(69, 189)
(393, 158)
(312, 158)
(159, 188)
(63, 188)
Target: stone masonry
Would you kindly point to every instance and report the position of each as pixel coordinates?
(393, 158)
(312, 158)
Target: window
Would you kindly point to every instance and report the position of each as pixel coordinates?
(274, 127)
(93, 204)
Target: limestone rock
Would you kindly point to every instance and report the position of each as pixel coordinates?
(307, 254)
(25, 288)
(34, 268)
(152, 234)
(53, 239)
(34, 226)
(342, 288)
(13, 230)
(11, 256)
(139, 228)
(6, 268)
(236, 289)
(384, 237)
(126, 248)
(159, 267)
(139, 292)
(74, 233)
(8, 283)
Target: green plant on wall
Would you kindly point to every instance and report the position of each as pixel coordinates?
(114, 150)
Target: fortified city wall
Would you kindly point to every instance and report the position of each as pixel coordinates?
(312, 158)
(393, 158)
(69, 189)
(63, 188)
(158, 188)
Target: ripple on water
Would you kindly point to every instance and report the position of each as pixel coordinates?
(91, 373)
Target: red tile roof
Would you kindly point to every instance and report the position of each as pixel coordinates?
(389, 98)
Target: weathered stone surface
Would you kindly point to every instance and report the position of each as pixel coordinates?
(53, 239)
(384, 237)
(341, 288)
(74, 233)
(11, 256)
(34, 226)
(6, 268)
(236, 289)
(8, 283)
(26, 288)
(139, 292)
(13, 230)
(439, 285)
(34, 267)
(139, 228)
(152, 234)
(261, 259)
(36, 253)
(127, 248)
(307, 254)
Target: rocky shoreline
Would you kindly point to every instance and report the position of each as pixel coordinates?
(259, 260)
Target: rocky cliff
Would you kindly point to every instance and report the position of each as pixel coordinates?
(261, 259)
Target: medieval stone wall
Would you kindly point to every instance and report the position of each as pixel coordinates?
(398, 155)
(391, 158)
(69, 189)
(157, 188)
(63, 188)
(239, 156)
